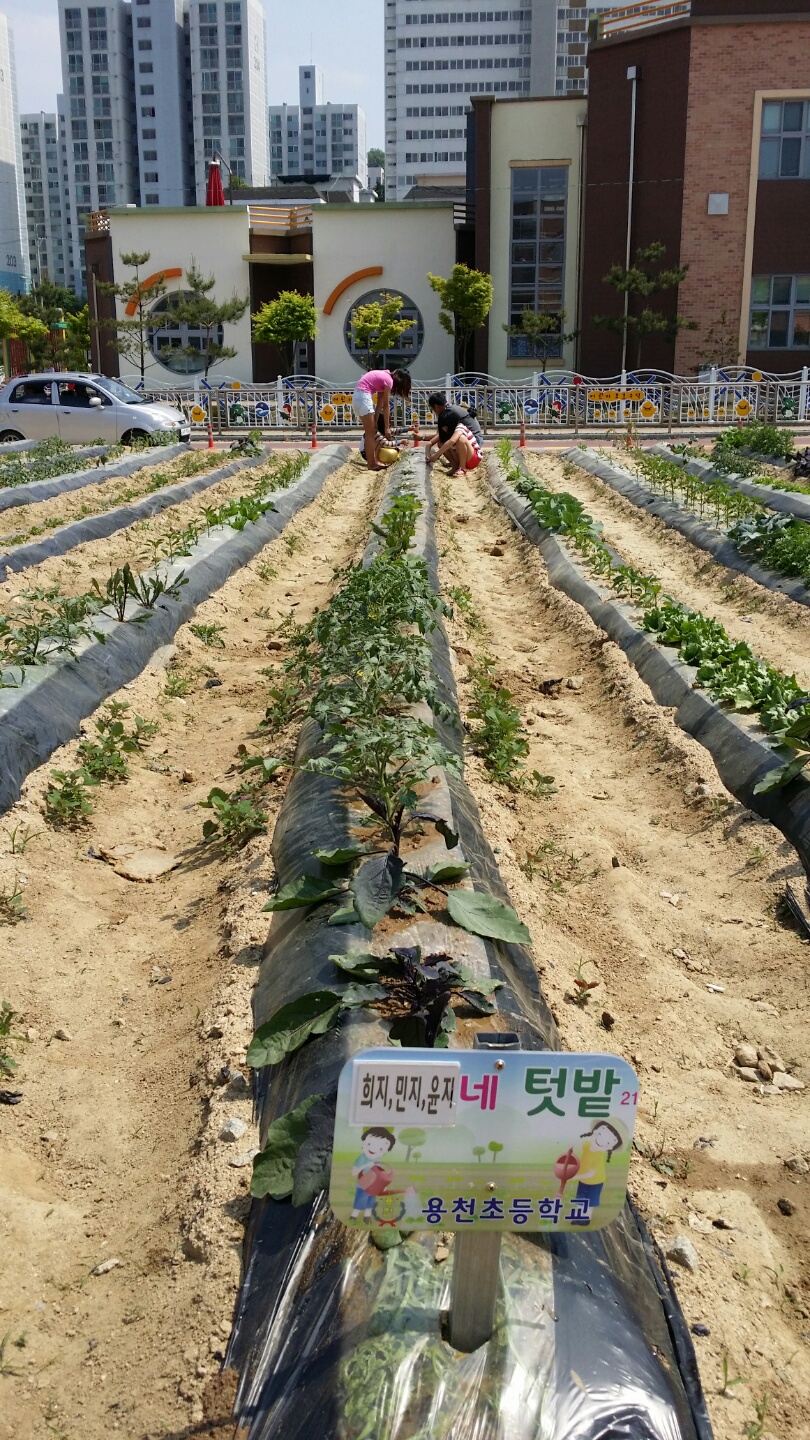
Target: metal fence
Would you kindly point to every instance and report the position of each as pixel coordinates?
(553, 401)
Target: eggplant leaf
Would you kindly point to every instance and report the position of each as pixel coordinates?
(341, 857)
(775, 779)
(449, 836)
(314, 1160)
(346, 915)
(360, 994)
(478, 1002)
(292, 1025)
(306, 890)
(443, 874)
(274, 1167)
(482, 914)
(360, 965)
(375, 887)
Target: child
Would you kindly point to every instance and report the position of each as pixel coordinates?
(381, 440)
(600, 1143)
(382, 384)
(374, 1143)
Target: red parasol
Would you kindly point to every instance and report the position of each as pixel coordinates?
(214, 193)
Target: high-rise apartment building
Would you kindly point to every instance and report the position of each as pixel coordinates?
(227, 42)
(315, 138)
(46, 200)
(162, 130)
(14, 270)
(435, 59)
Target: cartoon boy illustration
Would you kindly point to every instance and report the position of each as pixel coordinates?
(601, 1141)
(372, 1177)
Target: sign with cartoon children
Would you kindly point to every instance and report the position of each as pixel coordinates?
(513, 1140)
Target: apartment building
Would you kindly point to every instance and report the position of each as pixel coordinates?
(42, 136)
(14, 269)
(437, 59)
(315, 137)
(162, 128)
(227, 46)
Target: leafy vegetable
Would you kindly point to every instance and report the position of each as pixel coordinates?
(274, 1167)
(306, 890)
(484, 915)
(311, 1014)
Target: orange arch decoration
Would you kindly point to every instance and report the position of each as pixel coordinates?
(344, 285)
(132, 304)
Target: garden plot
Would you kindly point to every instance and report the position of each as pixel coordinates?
(775, 627)
(49, 474)
(114, 1151)
(641, 875)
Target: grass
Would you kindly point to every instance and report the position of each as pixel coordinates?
(176, 685)
(210, 635)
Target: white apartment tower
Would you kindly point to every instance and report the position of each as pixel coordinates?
(435, 59)
(45, 196)
(162, 132)
(227, 40)
(100, 111)
(315, 138)
(14, 269)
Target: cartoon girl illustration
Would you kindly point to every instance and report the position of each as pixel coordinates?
(601, 1141)
(372, 1177)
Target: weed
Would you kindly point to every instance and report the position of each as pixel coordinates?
(237, 818)
(292, 543)
(742, 1273)
(728, 1379)
(757, 855)
(461, 596)
(755, 1429)
(7, 1017)
(210, 635)
(541, 785)
(583, 987)
(176, 685)
(12, 907)
(67, 803)
(19, 839)
(5, 1367)
(499, 737)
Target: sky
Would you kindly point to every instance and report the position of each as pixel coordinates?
(345, 39)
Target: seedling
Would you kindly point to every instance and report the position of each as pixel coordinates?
(292, 543)
(237, 818)
(755, 1429)
(20, 838)
(210, 635)
(583, 987)
(8, 1064)
(266, 571)
(176, 685)
(728, 1379)
(67, 803)
(12, 907)
(499, 738)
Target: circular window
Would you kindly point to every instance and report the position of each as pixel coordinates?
(176, 343)
(404, 350)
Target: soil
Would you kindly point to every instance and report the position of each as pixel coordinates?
(114, 1153)
(95, 559)
(776, 628)
(643, 874)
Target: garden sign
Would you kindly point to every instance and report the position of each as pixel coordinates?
(474, 1140)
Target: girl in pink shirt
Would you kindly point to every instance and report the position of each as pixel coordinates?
(383, 384)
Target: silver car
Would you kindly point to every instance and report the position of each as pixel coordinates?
(82, 408)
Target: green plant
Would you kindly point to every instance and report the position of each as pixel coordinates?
(12, 906)
(133, 331)
(266, 571)
(755, 1429)
(292, 543)
(194, 306)
(249, 445)
(210, 635)
(176, 685)
(103, 758)
(583, 987)
(499, 736)
(8, 1064)
(286, 322)
(377, 327)
(67, 802)
(236, 818)
(19, 839)
(544, 331)
(640, 281)
(466, 300)
(728, 1379)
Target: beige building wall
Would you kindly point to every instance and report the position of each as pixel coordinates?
(531, 133)
(216, 240)
(406, 241)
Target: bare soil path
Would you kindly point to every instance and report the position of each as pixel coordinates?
(644, 874)
(114, 1153)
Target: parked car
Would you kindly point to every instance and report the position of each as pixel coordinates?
(82, 408)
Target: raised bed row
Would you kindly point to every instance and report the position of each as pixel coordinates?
(786, 502)
(736, 742)
(335, 1336)
(35, 490)
(97, 527)
(47, 707)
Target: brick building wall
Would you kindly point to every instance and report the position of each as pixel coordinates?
(728, 63)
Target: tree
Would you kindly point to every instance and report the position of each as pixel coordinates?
(15, 324)
(721, 342)
(466, 300)
(237, 182)
(376, 157)
(77, 340)
(496, 1149)
(48, 304)
(543, 330)
(200, 311)
(642, 280)
(411, 1138)
(377, 327)
(479, 1150)
(132, 336)
(285, 322)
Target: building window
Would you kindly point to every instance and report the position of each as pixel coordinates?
(145, 67)
(780, 312)
(152, 199)
(784, 147)
(408, 345)
(173, 342)
(144, 44)
(537, 271)
(150, 155)
(150, 177)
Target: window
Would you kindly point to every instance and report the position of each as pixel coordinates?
(144, 22)
(784, 147)
(408, 345)
(149, 135)
(209, 80)
(151, 177)
(537, 271)
(32, 392)
(780, 312)
(101, 84)
(150, 155)
(102, 129)
(144, 44)
(170, 339)
(146, 67)
(152, 199)
(148, 112)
